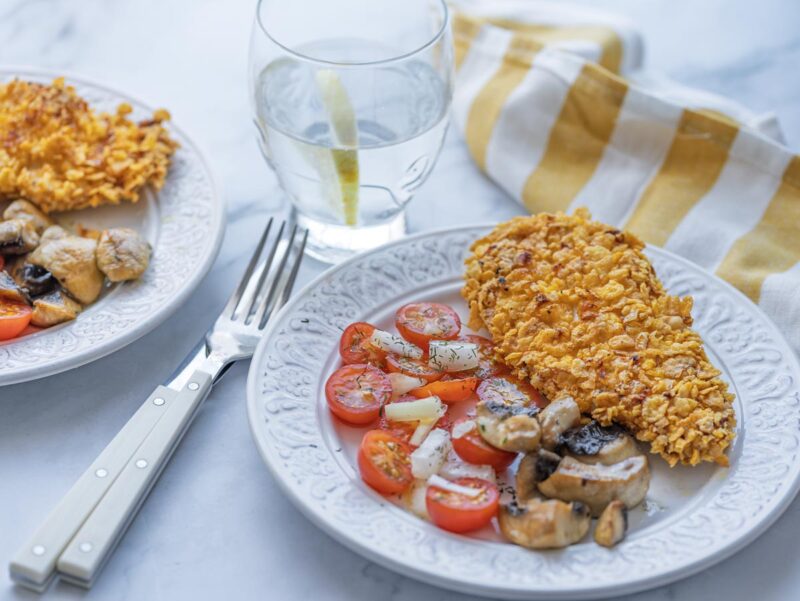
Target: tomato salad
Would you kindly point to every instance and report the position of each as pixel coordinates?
(416, 392)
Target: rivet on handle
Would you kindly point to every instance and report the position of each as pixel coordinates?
(193, 386)
(38, 550)
(158, 401)
(141, 463)
(85, 547)
(101, 473)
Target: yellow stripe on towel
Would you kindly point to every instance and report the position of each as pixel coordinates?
(488, 104)
(693, 163)
(577, 141)
(606, 38)
(465, 30)
(773, 246)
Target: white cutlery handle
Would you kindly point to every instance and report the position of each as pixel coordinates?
(34, 564)
(86, 554)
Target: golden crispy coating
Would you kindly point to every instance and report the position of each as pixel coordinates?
(58, 153)
(575, 307)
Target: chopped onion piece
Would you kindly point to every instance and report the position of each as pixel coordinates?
(454, 468)
(463, 428)
(412, 411)
(440, 482)
(453, 355)
(423, 429)
(394, 344)
(431, 454)
(414, 499)
(402, 383)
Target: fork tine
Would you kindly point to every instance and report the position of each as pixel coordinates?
(265, 271)
(233, 301)
(277, 283)
(287, 290)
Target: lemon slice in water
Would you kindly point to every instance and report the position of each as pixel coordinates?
(344, 131)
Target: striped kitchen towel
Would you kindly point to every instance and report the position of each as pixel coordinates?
(554, 111)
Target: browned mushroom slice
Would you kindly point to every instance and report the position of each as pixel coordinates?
(593, 443)
(14, 266)
(10, 291)
(507, 426)
(54, 308)
(612, 524)
(22, 209)
(17, 237)
(597, 485)
(36, 280)
(71, 260)
(533, 468)
(54, 232)
(122, 254)
(558, 417)
(33, 279)
(538, 524)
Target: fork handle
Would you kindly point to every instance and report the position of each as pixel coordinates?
(88, 550)
(34, 564)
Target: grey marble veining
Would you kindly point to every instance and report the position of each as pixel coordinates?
(216, 526)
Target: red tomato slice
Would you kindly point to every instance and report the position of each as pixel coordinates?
(354, 346)
(449, 391)
(413, 368)
(14, 318)
(405, 430)
(509, 390)
(356, 393)
(384, 462)
(422, 322)
(457, 512)
(472, 448)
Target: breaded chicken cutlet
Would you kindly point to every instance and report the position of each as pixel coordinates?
(61, 155)
(575, 307)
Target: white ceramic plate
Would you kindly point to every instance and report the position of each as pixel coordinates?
(693, 517)
(184, 222)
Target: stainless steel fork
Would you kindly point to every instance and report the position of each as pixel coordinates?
(82, 531)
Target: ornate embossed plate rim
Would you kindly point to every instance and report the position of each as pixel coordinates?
(756, 496)
(91, 337)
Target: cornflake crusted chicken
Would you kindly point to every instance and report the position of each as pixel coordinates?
(58, 153)
(575, 307)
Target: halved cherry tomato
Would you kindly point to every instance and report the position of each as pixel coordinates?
(422, 322)
(405, 430)
(413, 368)
(14, 318)
(458, 512)
(354, 346)
(384, 462)
(472, 448)
(509, 390)
(449, 391)
(356, 393)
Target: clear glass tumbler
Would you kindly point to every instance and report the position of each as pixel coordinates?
(351, 99)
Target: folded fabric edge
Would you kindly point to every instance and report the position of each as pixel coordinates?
(706, 122)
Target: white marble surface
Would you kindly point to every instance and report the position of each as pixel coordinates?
(216, 525)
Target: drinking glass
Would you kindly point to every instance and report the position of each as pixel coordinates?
(350, 99)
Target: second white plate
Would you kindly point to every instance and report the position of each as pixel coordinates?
(694, 517)
(184, 223)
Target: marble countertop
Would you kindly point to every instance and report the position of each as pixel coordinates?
(217, 525)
